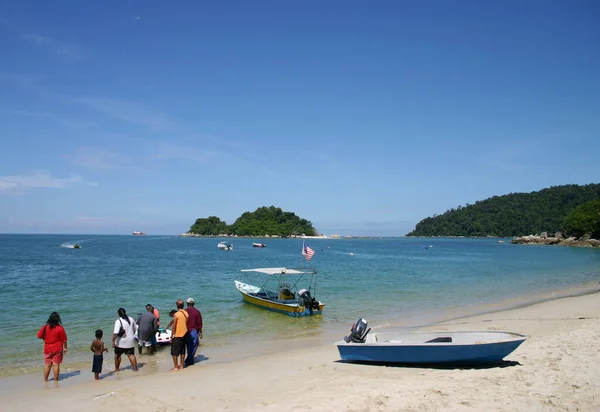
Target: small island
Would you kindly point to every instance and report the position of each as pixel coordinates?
(570, 212)
(263, 222)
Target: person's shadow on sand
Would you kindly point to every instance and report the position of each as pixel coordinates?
(67, 375)
(197, 359)
(63, 376)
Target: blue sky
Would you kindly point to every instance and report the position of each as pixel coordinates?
(363, 117)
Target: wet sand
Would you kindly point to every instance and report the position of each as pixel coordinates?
(557, 368)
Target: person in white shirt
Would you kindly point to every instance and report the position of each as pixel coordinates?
(124, 339)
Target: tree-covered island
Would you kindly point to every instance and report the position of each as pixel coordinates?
(264, 221)
(573, 210)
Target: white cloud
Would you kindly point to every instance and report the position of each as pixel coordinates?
(36, 38)
(96, 158)
(96, 221)
(63, 50)
(23, 80)
(138, 18)
(40, 179)
(167, 151)
(45, 115)
(129, 112)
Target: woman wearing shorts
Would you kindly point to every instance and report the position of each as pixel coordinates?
(55, 345)
(124, 343)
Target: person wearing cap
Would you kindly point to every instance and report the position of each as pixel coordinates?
(194, 325)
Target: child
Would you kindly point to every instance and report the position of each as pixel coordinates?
(98, 347)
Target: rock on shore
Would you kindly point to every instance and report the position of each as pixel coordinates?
(557, 239)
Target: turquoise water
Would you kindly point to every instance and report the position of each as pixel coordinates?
(386, 280)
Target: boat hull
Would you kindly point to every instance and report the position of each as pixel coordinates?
(467, 348)
(249, 295)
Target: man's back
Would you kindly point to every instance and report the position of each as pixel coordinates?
(147, 326)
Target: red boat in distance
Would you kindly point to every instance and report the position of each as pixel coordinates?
(136, 233)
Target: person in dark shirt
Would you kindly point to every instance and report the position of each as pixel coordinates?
(194, 325)
(147, 328)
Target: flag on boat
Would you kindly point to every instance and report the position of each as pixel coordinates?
(307, 252)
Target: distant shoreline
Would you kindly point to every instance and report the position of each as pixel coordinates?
(335, 237)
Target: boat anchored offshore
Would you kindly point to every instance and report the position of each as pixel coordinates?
(281, 291)
(258, 245)
(449, 348)
(225, 246)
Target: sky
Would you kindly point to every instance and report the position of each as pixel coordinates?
(362, 117)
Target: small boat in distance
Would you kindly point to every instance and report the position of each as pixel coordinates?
(225, 246)
(137, 233)
(258, 245)
(442, 348)
(76, 246)
(281, 291)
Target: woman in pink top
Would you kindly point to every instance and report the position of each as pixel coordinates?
(55, 344)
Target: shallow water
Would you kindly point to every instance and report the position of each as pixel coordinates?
(391, 281)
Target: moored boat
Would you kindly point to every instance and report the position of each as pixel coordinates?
(258, 245)
(280, 292)
(449, 348)
(225, 246)
(138, 233)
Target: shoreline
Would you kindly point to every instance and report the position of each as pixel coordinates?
(154, 368)
(556, 368)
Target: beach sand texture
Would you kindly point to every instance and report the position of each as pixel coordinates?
(557, 368)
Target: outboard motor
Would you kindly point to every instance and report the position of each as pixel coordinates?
(358, 332)
(309, 302)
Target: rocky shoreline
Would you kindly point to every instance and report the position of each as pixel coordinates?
(558, 239)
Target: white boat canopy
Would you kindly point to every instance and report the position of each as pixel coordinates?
(281, 271)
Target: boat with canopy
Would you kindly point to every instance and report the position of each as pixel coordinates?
(285, 290)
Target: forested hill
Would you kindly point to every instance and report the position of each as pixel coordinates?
(263, 221)
(515, 214)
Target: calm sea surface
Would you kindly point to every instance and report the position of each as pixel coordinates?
(393, 281)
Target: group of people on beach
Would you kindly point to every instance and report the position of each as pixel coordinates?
(186, 327)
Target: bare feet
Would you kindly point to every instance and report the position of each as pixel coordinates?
(174, 369)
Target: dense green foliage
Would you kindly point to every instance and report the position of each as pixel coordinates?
(211, 225)
(584, 219)
(263, 221)
(515, 214)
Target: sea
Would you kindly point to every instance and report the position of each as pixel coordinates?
(391, 282)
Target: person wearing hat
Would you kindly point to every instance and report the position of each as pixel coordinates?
(194, 326)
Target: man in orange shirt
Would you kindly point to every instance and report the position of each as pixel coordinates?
(179, 331)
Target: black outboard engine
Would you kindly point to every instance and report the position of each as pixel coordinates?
(358, 332)
(309, 302)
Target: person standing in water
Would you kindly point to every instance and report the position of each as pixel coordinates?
(147, 327)
(98, 348)
(55, 345)
(124, 339)
(179, 331)
(194, 326)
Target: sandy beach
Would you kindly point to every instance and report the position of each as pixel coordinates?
(557, 368)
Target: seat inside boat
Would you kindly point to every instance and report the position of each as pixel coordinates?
(286, 294)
